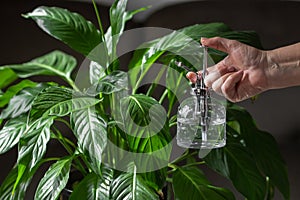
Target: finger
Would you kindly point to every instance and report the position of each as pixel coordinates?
(217, 85)
(216, 72)
(192, 76)
(229, 89)
(219, 43)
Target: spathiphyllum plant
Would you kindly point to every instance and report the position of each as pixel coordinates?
(123, 125)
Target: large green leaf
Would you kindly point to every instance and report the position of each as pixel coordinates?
(71, 28)
(147, 131)
(54, 180)
(13, 90)
(90, 131)
(22, 102)
(94, 187)
(191, 184)
(33, 146)
(237, 164)
(131, 186)
(111, 83)
(54, 63)
(58, 101)
(11, 132)
(7, 77)
(264, 147)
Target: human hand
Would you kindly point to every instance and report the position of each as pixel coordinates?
(240, 75)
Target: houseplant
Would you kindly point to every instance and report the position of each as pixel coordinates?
(106, 112)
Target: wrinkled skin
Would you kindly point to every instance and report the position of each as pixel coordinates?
(242, 74)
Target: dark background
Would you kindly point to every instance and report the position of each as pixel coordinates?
(276, 22)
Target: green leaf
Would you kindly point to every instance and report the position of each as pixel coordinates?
(191, 184)
(33, 146)
(58, 101)
(68, 27)
(131, 186)
(22, 102)
(54, 63)
(54, 180)
(118, 18)
(11, 132)
(177, 84)
(114, 82)
(7, 189)
(90, 131)
(7, 77)
(237, 164)
(96, 72)
(147, 131)
(13, 90)
(93, 186)
(264, 147)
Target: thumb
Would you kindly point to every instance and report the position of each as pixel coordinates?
(219, 43)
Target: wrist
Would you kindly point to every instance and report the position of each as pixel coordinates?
(283, 68)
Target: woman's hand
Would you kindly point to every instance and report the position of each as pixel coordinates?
(241, 75)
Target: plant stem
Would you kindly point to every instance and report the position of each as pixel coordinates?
(72, 84)
(65, 122)
(163, 96)
(62, 140)
(98, 17)
(154, 84)
(195, 163)
(184, 156)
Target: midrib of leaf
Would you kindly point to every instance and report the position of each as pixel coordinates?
(134, 183)
(238, 163)
(65, 102)
(193, 182)
(138, 103)
(48, 67)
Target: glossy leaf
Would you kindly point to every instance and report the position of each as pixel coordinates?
(111, 83)
(90, 131)
(264, 147)
(147, 131)
(58, 101)
(237, 164)
(191, 184)
(96, 72)
(68, 27)
(93, 186)
(13, 90)
(33, 146)
(8, 191)
(177, 84)
(54, 63)
(118, 18)
(22, 102)
(54, 180)
(7, 77)
(11, 132)
(131, 186)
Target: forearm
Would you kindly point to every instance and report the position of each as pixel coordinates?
(284, 66)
